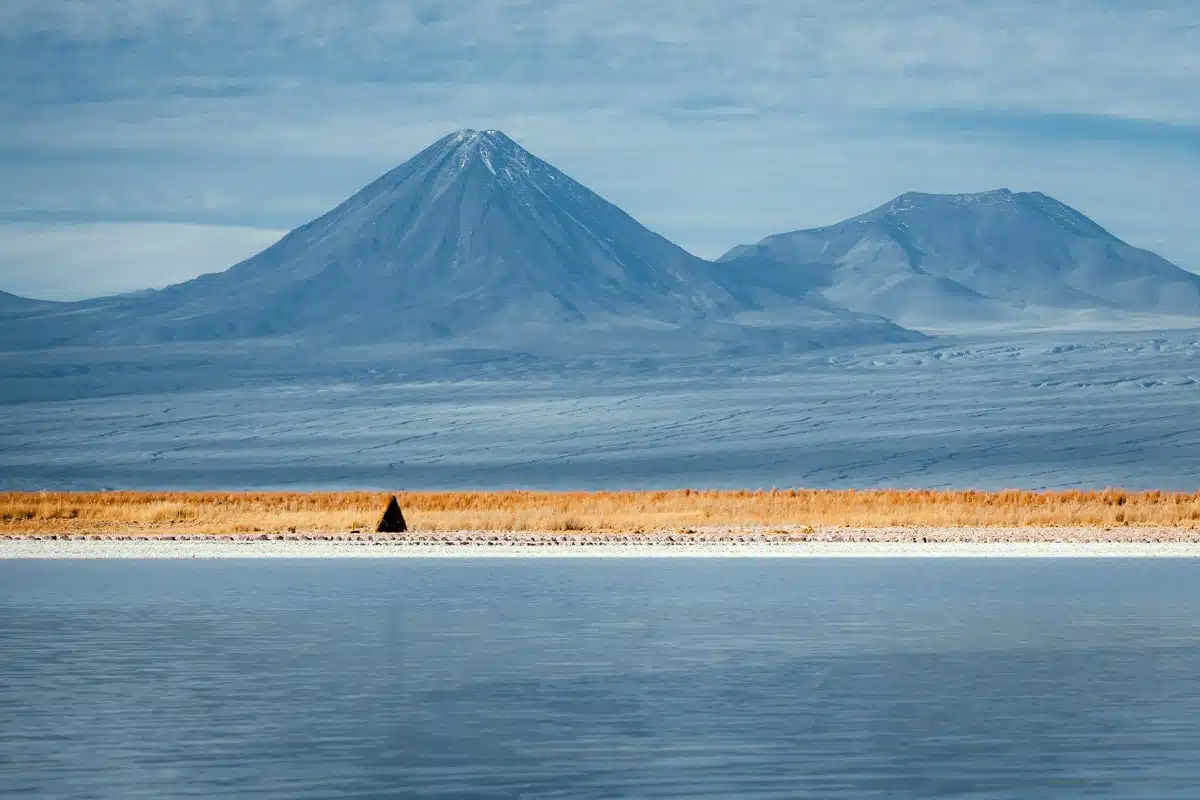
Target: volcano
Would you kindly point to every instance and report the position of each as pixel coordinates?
(472, 233)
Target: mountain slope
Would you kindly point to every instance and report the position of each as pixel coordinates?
(17, 311)
(928, 257)
(11, 303)
(473, 237)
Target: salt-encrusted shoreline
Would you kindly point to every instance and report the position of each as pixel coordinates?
(843, 543)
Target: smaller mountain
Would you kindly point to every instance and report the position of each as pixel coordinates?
(927, 258)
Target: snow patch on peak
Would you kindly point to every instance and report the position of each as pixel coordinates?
(486, 157)
(469, 137)
(911, 200)
(978, 198)
(502, 164)
(496, 137)
(499, 154)
(461, 153)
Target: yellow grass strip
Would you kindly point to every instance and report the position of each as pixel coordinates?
(619, 512)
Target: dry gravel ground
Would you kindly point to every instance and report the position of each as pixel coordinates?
(843, 542)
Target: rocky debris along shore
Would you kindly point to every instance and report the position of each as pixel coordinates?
(687, 538)
(567, 547)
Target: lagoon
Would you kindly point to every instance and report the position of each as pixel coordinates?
(749, 678)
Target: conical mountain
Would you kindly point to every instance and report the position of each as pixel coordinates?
(472, 233)
(979, 256)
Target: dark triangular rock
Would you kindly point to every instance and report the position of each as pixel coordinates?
(393, 519)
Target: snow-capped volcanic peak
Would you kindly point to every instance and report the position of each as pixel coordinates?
(489, 147)
(993, 197)
(493, 151)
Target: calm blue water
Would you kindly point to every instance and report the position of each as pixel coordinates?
(576, 679)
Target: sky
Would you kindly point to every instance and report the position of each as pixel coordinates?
(144, 142)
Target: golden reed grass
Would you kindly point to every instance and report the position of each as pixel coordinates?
(618, 512)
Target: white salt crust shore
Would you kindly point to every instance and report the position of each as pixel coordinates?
(211, 548)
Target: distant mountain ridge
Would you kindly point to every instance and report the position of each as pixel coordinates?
(477, 240)
(12, 302)
(14, 307)
(473, 237)
(981, 256)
